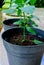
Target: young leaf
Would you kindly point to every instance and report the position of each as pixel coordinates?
(9, 11)
(32, 2)
(33, 16)
(20, 2)
(28, 9)
(19, 12)
(18, 22)
(7, 1)
(6, 6)
(33, 23)
(13, 1)
(13, 6)
(27, 1)
(29, 29)
(10, 3)
(37, 41)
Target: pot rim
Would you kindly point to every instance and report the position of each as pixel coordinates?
(19, 45)
(9, 19)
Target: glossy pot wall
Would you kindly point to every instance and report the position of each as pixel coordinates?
(23, 55)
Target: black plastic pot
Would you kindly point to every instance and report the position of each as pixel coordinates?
(8, 24)
(23, 55)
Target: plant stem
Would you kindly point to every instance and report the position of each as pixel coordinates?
(24, 28)
(10, 3)
(24, 35)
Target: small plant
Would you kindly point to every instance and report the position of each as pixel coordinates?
(23, 8)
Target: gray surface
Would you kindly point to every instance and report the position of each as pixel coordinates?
(3, 54)
(42, 61)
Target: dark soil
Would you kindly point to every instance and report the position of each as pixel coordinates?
(17, 39)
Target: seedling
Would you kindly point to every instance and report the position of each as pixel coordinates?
(22, 7)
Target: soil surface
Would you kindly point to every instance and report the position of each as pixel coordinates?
(18, 39)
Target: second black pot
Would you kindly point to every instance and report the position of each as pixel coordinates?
(8, 24)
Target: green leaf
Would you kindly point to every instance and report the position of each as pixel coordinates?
(37, 41)
(33, 16)
(27, 1)
(13, 6)
(18, 22)
(10, 3)
(33, 23)
(7, 0)
(20, 2)
(28, 9)
(29, 29)
(6, 6)
(32, 2)
(13, 1)
(19, 12)
(9, 11)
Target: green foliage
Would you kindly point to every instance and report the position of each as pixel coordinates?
(28, 9)
(19, 12)
(6, 6)
(37, 41)
(7, 0)
(29, 29)
(9, 11)
(33, 16)
(19, 1)
(32, 2)
(27, 1)
(20, 22)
